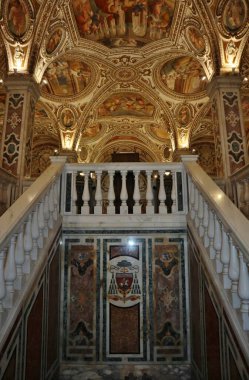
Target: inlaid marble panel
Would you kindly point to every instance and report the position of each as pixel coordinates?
(124, 297)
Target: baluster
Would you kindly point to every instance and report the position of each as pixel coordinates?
(233, 273)
(205, 224)
(192, 199)
(19, 258)
(211, 234)
(74, 193)
(243, 290)
(86, 196)
(225, 258)
(41, 224)
(111, 194)
(51, 208)
(200, 215)
(161, 195)
(46, 216)
(2, 280)
(149, 194)
(10, 274)
(196, 205)
(217, 244)
(173, 192)
(123, 194)
(136, 195)
(35, 234)
(27, 245)
(98, 194)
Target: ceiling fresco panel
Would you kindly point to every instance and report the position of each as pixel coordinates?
(18, 17)
(126, 104)
(123, 22)
(66, 78)
(183, 75)
(235, 15)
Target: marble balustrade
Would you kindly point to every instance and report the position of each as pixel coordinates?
(224, 233)
(26, 228)
(121, 188)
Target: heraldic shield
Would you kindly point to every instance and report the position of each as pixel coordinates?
(124, 284)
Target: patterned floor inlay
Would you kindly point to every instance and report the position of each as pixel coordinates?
(126, 372)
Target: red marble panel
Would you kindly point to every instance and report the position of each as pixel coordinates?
(83, 295)
(195, 317)
(10, 371)
(212, 339)
(167, 295)
(234, 373)
(124, 330)
(34, 339)
(53, 311)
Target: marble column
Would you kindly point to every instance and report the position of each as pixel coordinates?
(22, 95)
(230, 143)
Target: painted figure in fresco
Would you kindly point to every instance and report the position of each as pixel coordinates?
(122, 19)
(196, 39)
(54, 41)
(235, 13)
(160, 13)
(129, 104)
(183, 115)
(17, 18)
(67, 77)
(67, 118)
(86, 19)
(183, 75)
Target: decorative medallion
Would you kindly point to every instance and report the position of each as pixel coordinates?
(183, 115)
(124, 74)
(92, 130)
(196, 39)
(67, 118)
(18, 17)
(183, 75)
(66, 78)
(235, 144)
(54, 41)
(160, 132)
(11, 149)
(234, 15)
(83, 154)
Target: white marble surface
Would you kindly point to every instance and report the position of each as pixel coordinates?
(126, 372)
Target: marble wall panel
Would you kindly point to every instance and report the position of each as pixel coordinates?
(124, 297)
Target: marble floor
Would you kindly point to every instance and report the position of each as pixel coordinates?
(126, 372)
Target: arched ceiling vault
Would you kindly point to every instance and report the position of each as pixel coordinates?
(131, 70)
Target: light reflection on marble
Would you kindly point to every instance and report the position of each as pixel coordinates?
(126, 372)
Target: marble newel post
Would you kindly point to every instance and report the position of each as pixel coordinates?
(230, 143)
(22, 95)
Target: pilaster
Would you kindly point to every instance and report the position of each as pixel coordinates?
(230, 140)
(22, 95)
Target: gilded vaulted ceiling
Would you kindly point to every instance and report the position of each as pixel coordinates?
(124, 75)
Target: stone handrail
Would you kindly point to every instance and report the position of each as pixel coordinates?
(224, 234)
